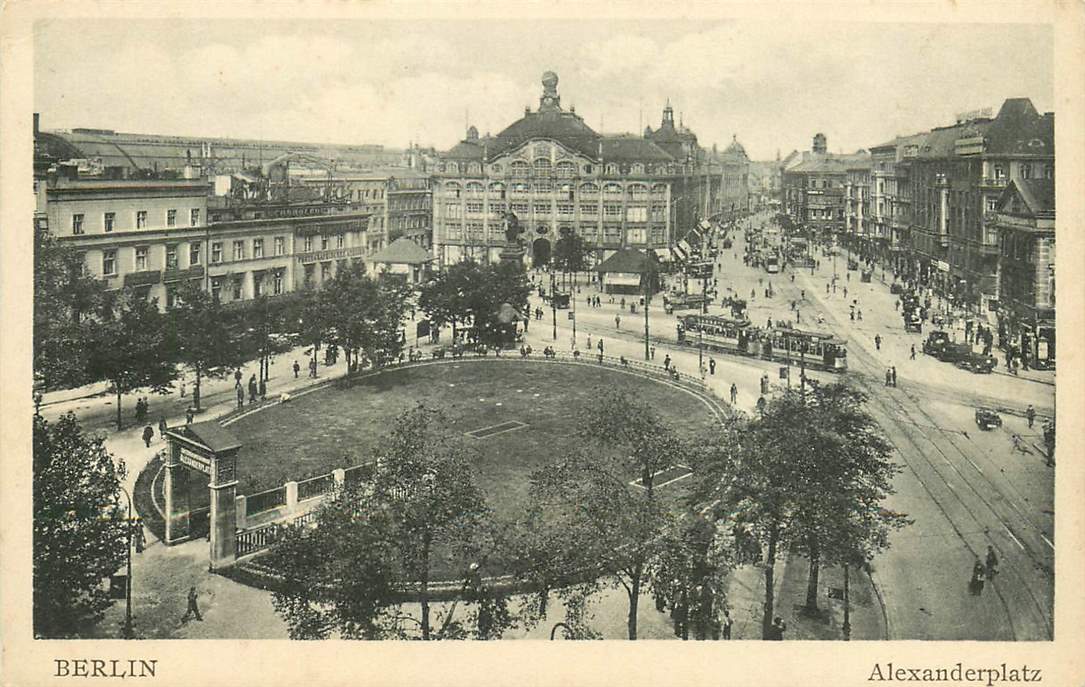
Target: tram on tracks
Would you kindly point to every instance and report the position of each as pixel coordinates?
(817, 350)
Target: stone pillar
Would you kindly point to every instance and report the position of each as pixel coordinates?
(177, 497)
(291, 497)
(223, 517)
(242, 512)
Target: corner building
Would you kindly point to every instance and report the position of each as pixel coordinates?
(557, 175)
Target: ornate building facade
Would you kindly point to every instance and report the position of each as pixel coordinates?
(557, 175)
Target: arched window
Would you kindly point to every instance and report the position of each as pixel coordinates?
(542, 167)
(638, 191)
(475, 168)
(474, 189)
(452, 189)
(588, 169)
(565, 170)
(659, 190)
(637, 168)
(453, 168)
(520, 168)
(589, 190)
(612, 191)
(519, 187)
(612, 170)
(497, 189)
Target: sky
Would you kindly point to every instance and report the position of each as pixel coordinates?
(773, 85)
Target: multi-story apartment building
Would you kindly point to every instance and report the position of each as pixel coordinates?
(814, 188)
(891, 200)
(858, 228)
(1025, 218)
(556, 175)
(149, 235)
(956, 179)
(733, 198)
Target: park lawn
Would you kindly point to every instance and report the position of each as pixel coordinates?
(339, 426)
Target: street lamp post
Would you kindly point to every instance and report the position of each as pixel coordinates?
(847, 607)
(128, 631)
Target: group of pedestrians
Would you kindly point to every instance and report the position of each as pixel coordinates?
(981, 572)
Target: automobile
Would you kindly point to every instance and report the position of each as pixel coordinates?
(865, 275)
(912, 322)
(727, 243)
(896, 288)
(853, 265)
(987, 419)
(954, 353)
(977, 363)
(935, 342)
(561, 300)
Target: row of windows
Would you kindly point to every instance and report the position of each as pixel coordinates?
(610, 210)
(109, 220)
(109, 257)
(476, 189)
(588, 231)
(562, 170)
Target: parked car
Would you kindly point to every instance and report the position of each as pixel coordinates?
(978, 363)
(935, 342)
(955, 353)
(896, 288)
(912, 322)
(987, 419)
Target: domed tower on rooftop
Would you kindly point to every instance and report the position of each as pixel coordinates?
(550, 100)
(821, 144)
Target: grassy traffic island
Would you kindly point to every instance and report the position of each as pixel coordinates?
(519, 415)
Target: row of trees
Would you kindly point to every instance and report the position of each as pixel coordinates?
(481, 296)
(84, 333)
(808, 477)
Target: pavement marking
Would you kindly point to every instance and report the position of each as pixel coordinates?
(1047, 541)
(1015, 540)
(973, 465)
(492, 430)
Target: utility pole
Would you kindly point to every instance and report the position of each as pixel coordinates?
(554, 302)
(647, 297)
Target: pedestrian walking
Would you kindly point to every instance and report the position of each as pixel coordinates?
(711, 366)
(162, 427)
(888, 376)
(979, 575)
(617, 321)
(776, 631)
(859, 314)
(726, 624)
(599, 345)
(182, 389)
(253, 389)
(297, 369)
(845, 292)
(826, 288)
(893, 375)
(190, 414)
(1030, 415)
(652, 352)
(851, 313)
(912, 353)
(148, 434)
(240, 396)
(877, 342)
(263, 383)
(589, 342)
(138, 538)
(992, 562)
(193, 606)
(734, 394)
(237, 375)
(802, 294)
(312, 367)
(667, 362)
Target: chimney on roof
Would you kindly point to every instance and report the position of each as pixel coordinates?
(37, 121)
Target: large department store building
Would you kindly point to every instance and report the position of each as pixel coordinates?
(557, 175)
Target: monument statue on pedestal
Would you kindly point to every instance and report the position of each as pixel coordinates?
(514, 246)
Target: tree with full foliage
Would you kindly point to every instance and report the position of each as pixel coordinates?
(571, 253)
(80, 533)
(66, 299)
(590, 529)
(843, 468)
(810, 474)
(483, 296)
(378, 544)
(129, 346)
(636, 430)
(199, 338)
(360, 315)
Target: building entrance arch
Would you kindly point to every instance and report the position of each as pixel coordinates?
(210, 451)
(540, 252)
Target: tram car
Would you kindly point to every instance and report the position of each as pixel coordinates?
(818, 350)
